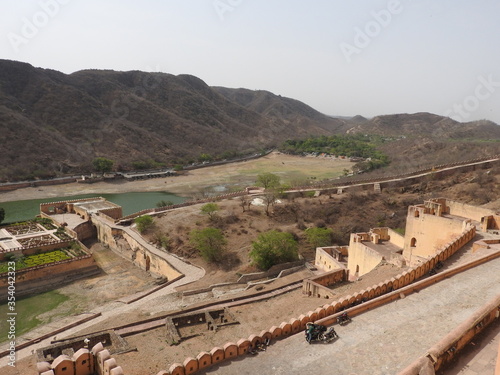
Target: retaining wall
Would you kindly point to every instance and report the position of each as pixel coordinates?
(45, 277)
(272, 272)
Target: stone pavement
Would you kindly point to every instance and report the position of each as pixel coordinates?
(384, 340)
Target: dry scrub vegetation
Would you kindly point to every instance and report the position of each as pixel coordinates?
(355, 211)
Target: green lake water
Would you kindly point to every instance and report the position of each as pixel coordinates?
(130, 202)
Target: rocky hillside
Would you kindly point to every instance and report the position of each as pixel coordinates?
(424, 139)
(53, 123)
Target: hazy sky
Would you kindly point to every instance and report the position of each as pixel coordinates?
(341, 57)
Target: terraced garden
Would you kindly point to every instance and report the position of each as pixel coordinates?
(38, 259)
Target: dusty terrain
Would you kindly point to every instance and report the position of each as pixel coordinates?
(344, 214)
(190, 183)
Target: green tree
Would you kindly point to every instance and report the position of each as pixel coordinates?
(272, 248)
(143, 223)
(164, 203)
(210, 209)
(268, 180)
(2, 214)
(102, 165)
(319, 237)
(210, 242)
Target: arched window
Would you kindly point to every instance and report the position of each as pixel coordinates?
(413, 242)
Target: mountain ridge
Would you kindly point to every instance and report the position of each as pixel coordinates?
(54, 123)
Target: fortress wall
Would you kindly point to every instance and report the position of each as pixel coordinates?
(133, 250)
(46, 277)
(361, 258)
(15, 186)
(395, 238)
(425, 233)
(150, 261)
(325, 261)
(272, 272)
(108, 218)
(468, 211)
(114, 213)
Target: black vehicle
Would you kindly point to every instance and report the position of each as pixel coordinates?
(317, 332)
(343, 319)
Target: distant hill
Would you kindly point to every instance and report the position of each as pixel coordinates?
(423, 139)
(53, 123)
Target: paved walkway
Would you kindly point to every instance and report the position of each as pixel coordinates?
(384, 340)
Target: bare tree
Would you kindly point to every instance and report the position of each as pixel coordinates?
(244, 201)
(269, 199)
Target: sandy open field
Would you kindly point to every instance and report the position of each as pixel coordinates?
(235, 176)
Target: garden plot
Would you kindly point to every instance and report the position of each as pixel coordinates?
(24, 229)
(37, 260)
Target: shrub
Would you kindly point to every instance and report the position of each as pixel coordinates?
(210, 242)
(210, 209)
(143, 223)
(272, 248)
(319, 237)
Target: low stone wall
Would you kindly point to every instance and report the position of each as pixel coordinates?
(393, 180)
(484, 244)
(272, 272)
(19, 185)
(449, 347)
